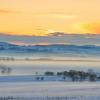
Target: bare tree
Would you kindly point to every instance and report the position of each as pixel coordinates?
(5, 70)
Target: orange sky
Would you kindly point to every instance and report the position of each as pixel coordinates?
(40, 17)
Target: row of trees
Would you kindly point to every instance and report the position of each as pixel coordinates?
(7, 58)
(5, 70)
(74, 75)
(90, 75)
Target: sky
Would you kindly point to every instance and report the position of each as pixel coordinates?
(42, 17)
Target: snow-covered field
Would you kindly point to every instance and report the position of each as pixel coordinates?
(28, 89)
(51, 90)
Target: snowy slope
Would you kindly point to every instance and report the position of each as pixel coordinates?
(74, 91)
(51, 49)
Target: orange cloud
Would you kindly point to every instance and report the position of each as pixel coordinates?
(5, 11)
(93, 28)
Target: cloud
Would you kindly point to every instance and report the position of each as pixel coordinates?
(56, 38)
(92, 28)
(5, 11)
(55, 15)
(57, 34)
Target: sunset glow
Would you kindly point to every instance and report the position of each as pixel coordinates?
(41, 17)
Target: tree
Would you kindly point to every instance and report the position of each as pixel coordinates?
(36, 73)
(65, 73)
(92, 75)
(5, 70)
(82, 75)
(49, 73)
(59, 73)
(9, 70)
(71, 74)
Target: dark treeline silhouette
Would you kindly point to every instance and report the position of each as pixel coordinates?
(75, 75)
(49, 73)
(7, 59)
(5, 70)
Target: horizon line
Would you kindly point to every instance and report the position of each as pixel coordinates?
(49, 34)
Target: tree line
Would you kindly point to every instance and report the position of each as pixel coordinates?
(75, 75)
(5, 70)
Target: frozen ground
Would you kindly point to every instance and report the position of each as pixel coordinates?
(51, 90)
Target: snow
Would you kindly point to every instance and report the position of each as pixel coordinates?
(30, 78)
(68, 50)
(22, 84)
(70, 90)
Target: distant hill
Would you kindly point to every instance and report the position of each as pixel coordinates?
(54, 48)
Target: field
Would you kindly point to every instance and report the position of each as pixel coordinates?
(50, 91)
(20, 83)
